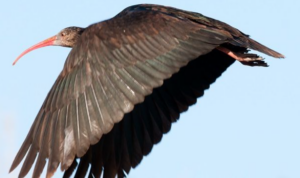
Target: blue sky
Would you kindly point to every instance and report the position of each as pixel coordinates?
(246, 125)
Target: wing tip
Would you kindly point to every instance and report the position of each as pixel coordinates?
(13, 167)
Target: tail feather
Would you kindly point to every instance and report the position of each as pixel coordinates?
(261, 48)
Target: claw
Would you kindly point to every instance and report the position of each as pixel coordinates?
(245, 58)
(256, 63)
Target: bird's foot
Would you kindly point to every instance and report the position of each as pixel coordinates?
(246, 59)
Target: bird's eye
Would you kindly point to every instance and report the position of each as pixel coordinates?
(63, 34)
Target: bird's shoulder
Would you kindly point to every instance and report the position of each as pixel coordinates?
(165, 10)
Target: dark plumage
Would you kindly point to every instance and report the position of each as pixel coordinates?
(123, 84)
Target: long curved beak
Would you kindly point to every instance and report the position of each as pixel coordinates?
(48, 42)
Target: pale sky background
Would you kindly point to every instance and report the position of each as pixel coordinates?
(247, 125)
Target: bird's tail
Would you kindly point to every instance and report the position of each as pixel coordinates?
(261, 48)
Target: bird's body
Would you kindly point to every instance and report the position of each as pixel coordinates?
(123, 84)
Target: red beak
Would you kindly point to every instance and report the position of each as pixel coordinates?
(47, 42)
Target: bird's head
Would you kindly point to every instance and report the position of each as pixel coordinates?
(66, 37)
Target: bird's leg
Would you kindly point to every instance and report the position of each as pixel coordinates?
(246, 59)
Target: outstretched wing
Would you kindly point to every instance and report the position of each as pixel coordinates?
(132, 138)
(113, 67)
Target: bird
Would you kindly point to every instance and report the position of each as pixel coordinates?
(123, 84)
